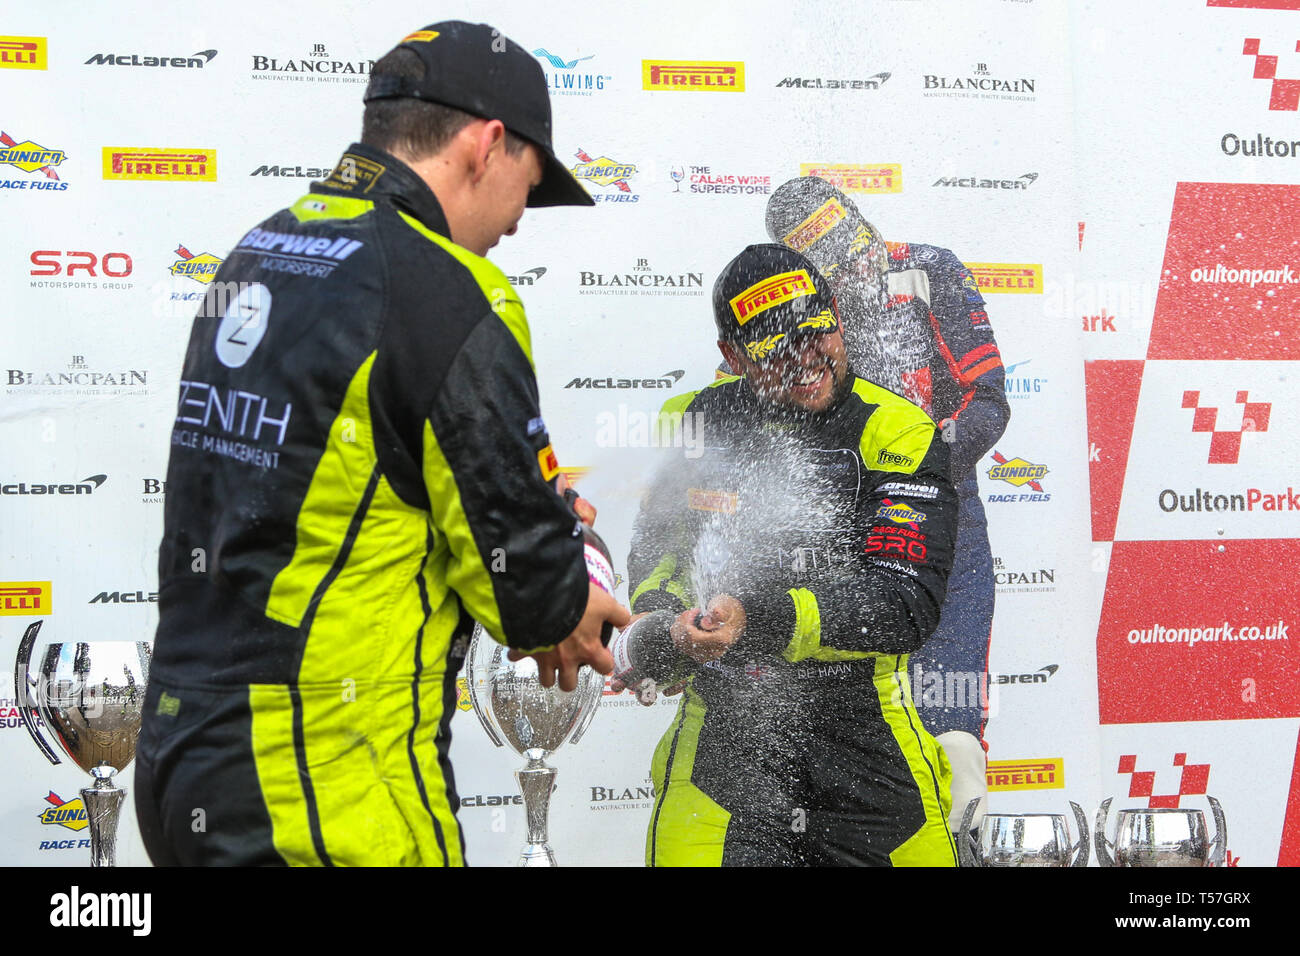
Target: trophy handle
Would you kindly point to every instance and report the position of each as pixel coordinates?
(1103, 855)
(968, 852)
(585, 721)
(471, 684)
(23, 687)
(1081, 848)
(1219, 846)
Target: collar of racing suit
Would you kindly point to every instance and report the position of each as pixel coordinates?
(393, 181)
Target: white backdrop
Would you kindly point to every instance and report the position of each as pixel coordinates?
(1115, 105)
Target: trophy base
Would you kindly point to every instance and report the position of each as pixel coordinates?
(536, 854)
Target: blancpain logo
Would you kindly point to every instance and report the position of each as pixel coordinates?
(666, 380)
(1023, 181)
(195, 62)
(829, 83)
(75, 908)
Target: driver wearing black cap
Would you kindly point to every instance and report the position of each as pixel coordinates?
(359, 471)
(790, 570)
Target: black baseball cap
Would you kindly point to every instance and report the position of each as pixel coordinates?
(769, 296)
(813, 217)
(475, 68)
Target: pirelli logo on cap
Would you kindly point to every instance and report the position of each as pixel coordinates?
(771, 292)
(550, 465)
(1046, 773)
(420, 36)
(24, 598)
(828, 215)
(1014, 278)
(22, 53)
(149, 163)
(723, 502)
(715, 76)
(851, 178)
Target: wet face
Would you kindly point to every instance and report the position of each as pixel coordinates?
(811, 374)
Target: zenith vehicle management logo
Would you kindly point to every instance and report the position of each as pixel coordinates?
(1225, 446)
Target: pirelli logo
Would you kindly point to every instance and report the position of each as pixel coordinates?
(1015, 278)
(147, 163)
(420, 36)
(827, 216)
(1047, 773)
(22, 53)
(881, 178)
(549, 464)
(723, 502)
(713, 76)
(771, 292)
(24, 598)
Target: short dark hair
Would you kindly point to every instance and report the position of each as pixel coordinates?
(416, 128)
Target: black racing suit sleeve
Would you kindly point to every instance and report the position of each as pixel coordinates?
(966, 340)
(889, 596)
(516, 557)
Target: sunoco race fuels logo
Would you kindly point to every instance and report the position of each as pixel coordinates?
(30, 158)
(69, 814)
(715, 76)
(201, 268)
(605, 172)
(1225, 446)
(1019, 473)
(180, 165)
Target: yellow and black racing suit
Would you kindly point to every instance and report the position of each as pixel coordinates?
(801, 745)
(358, 468)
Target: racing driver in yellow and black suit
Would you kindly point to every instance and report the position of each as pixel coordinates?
(358, 468)
(816, 534)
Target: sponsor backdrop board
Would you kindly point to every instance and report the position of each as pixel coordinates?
(1138, 271)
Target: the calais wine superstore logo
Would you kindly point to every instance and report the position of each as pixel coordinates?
(317, 67)
(565, 79)
(704, 180)
(22, 53)
(31, 158)
(980, 83)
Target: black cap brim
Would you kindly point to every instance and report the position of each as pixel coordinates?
(558, 187)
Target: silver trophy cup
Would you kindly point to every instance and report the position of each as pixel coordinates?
(90, 697)
(1022, 839)
(1162, 837)
(535, 721)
